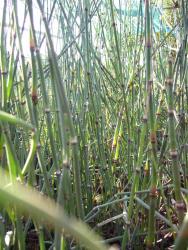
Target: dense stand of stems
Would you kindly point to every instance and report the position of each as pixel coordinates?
(91, 117)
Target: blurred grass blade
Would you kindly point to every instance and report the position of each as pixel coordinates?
(6, 117)
(45, 210)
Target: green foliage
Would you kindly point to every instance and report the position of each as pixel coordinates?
(93, 124)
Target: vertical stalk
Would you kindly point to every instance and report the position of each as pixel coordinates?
(151, 120)
(33, 47)
(24, 68)
(173, 144)
(182, 239)
(3, 72)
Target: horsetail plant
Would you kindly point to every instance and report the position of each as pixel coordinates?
(173, 145)
(151, 120)
(93, 120)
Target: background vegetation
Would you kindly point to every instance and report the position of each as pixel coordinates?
(93, 124)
